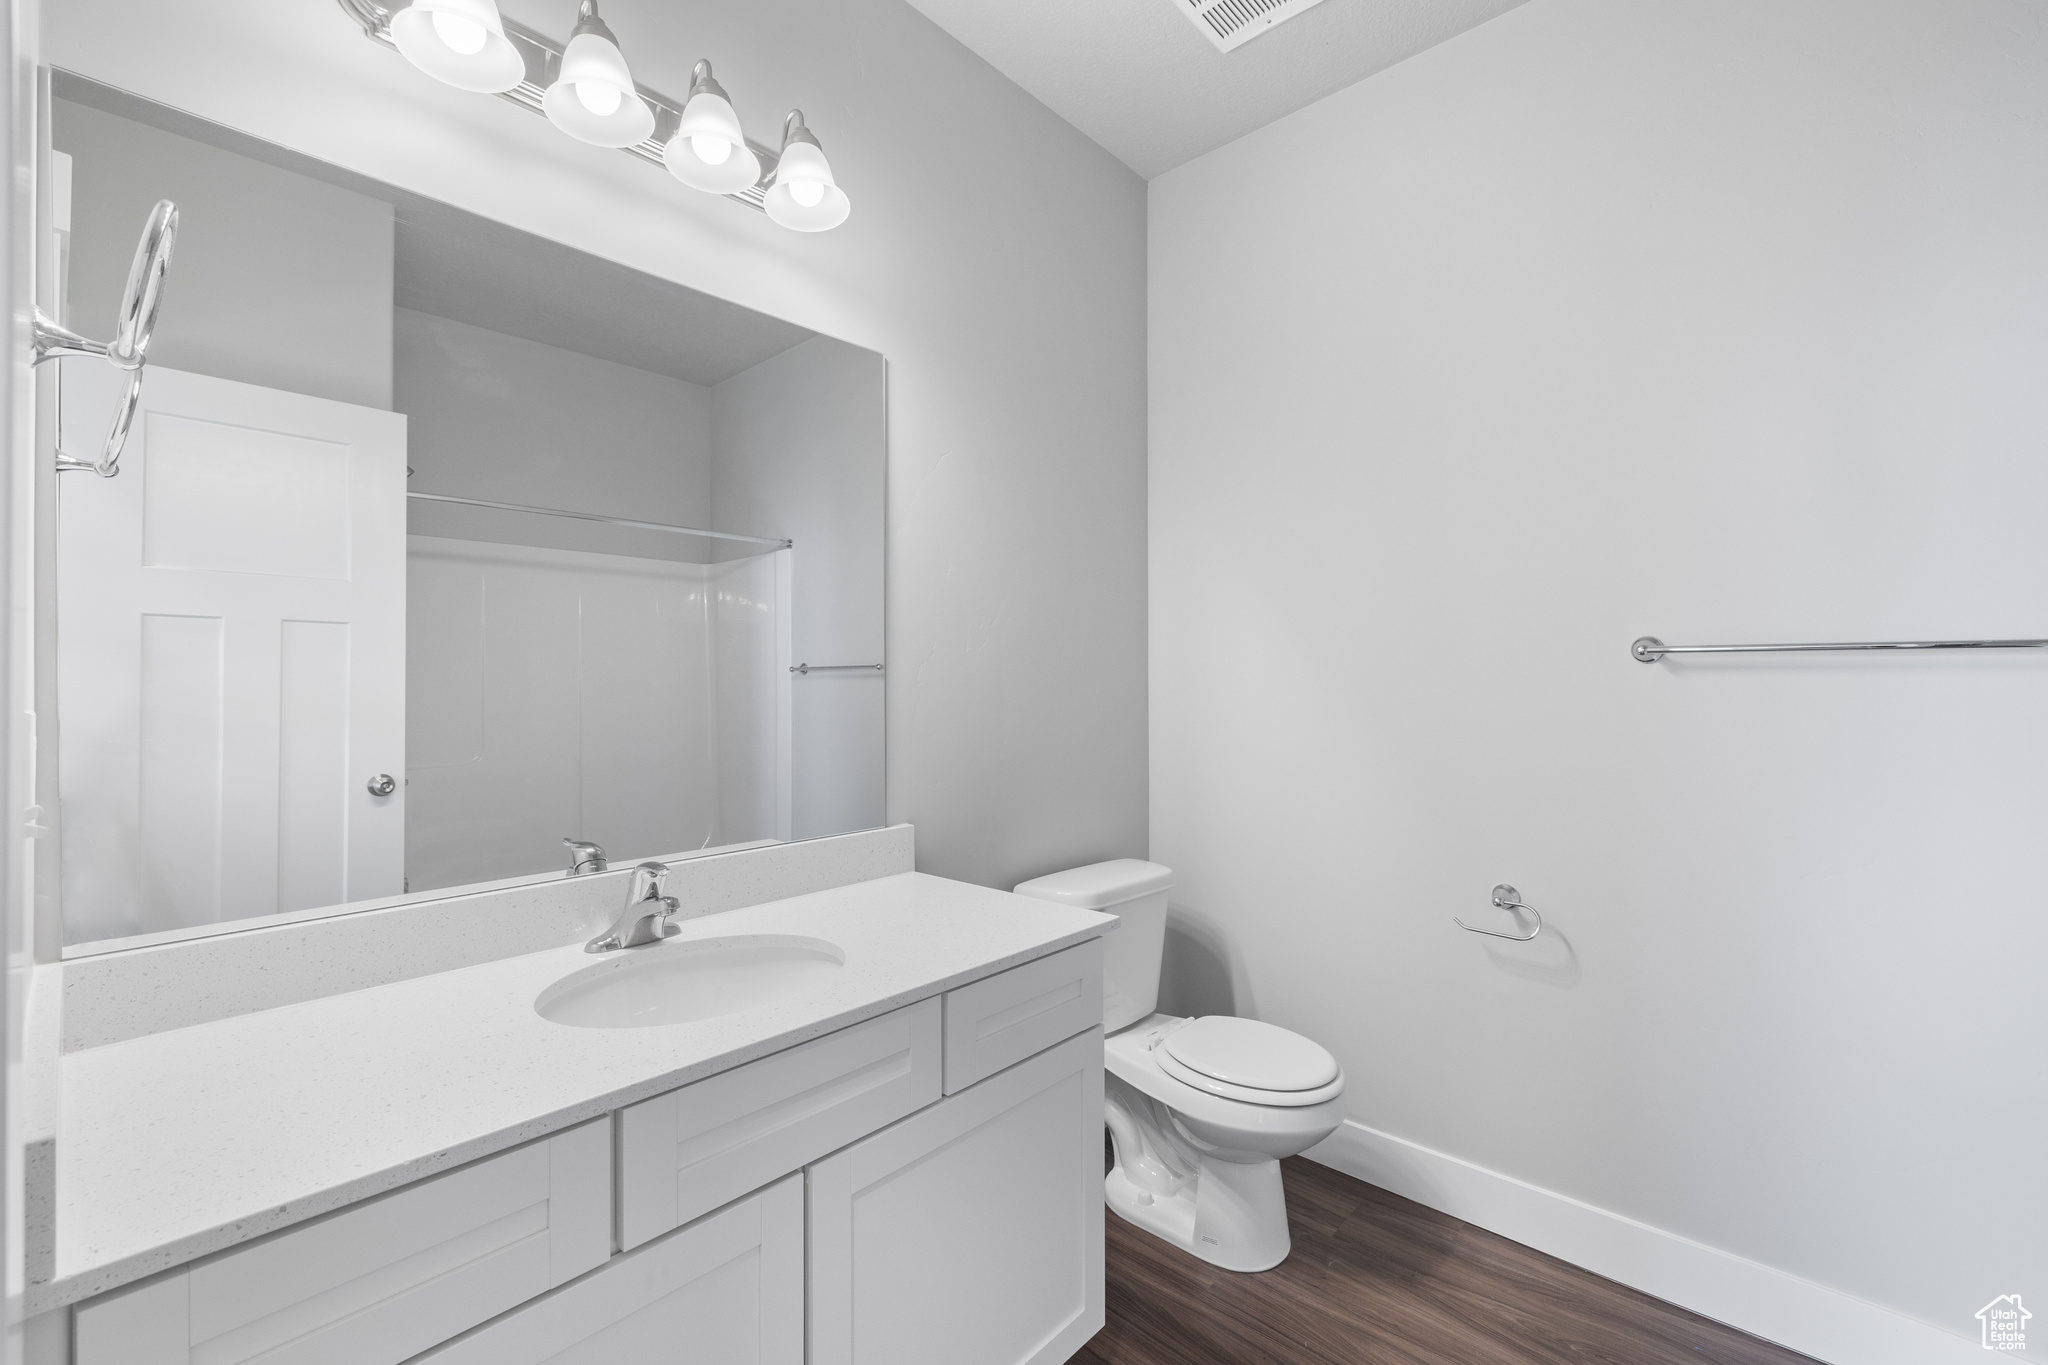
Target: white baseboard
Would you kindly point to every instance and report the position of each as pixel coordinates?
(1809, 1318)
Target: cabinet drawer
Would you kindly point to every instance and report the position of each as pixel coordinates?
(381, 1281)
(727, 1288)
(1001, 1021)
(684, 1153)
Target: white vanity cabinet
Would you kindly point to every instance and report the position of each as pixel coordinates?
(920, 1188)
(1002, 1019)
(380, 1281)
(685, 1153)
(726, 1290)
(970, 1233)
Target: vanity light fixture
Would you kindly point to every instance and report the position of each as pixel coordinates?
(803, 196)
(586, 90)
(461, 42)
(708, 151)
(593, 99)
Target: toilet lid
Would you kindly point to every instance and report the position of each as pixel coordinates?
(1251, 1055)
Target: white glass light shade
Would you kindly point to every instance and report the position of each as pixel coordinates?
(710, 129)
(461, 42)
(803, 196)
(593, 99)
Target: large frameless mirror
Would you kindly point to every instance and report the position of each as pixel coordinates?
(439, 554)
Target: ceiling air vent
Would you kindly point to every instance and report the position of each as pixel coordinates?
(1232, 23)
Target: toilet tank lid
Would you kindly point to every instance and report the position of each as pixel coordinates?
(1099, 885)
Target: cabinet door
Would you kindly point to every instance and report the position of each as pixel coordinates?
(976, 1225)
(685, 1153)
(726, 1290)
(380, 1281)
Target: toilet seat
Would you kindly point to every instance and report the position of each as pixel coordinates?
(1249, 1061)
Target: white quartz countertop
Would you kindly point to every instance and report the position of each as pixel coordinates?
(176, 1145)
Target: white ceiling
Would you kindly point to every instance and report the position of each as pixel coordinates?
(1142, 81)
(457, 265)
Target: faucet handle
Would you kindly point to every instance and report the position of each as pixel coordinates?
(647, 880)
(585, 857)
(646, 916)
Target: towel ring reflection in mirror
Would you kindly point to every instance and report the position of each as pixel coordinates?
(1505, 897)
(129, 349)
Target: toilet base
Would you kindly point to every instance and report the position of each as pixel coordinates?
(1231, 1214)
(1228, 1209)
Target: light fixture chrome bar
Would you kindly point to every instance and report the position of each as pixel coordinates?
(543, 55)
(608, 521)
(1649, 648)
(834, 668)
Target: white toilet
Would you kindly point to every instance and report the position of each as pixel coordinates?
(1200, 1110)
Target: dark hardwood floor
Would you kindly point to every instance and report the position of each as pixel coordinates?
(1378, 1278)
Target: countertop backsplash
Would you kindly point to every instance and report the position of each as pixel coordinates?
(115, 996)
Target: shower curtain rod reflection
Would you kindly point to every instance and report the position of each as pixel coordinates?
(609, 521)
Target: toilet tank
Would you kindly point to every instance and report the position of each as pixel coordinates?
(1135, 892)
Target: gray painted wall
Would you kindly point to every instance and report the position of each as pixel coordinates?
(994, 255)
(1721, 322)
(276, 279)
(499, 417)
(799, 443)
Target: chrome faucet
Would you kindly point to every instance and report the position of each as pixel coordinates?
(585, 857)
(645, 918)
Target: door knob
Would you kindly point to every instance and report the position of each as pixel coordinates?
(383, 784)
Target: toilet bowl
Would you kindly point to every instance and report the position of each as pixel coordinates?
(1202, 1168)
(1200, 1111)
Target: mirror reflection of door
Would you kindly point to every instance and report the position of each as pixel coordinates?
(618, 663)
(231, 669)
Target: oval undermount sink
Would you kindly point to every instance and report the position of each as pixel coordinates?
(685, 982)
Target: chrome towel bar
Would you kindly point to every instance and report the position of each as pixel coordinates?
(1649, 648)
(834, 668)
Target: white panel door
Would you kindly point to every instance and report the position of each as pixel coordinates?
(726, 1290)
(231, 656)
(969, 1233)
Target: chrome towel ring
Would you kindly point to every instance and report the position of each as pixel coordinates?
(1506, 898)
